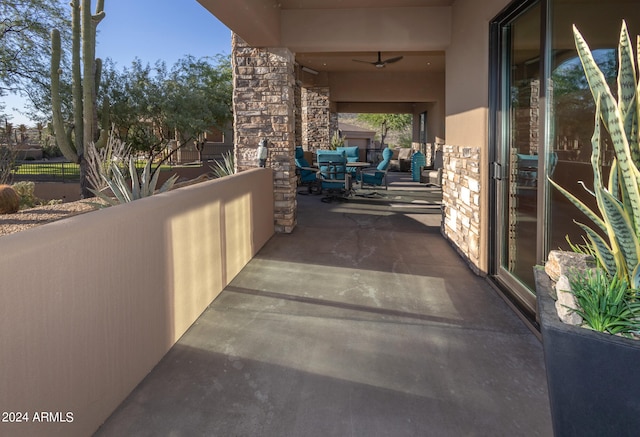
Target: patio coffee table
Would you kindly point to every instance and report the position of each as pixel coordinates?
(359, 165)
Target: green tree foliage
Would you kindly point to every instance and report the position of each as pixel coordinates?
(149, 106)
(25, 44)
(572, 100)
(387, 122)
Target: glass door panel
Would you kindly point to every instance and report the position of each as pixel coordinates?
(519, 148)
(571, 105)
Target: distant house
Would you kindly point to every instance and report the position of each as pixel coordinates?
(358, 136)
(213, 145)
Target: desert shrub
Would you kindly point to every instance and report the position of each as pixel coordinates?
(26, 190)
(51, 151)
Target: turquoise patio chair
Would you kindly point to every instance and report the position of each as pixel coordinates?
(333, 174)
(353, 155)
(306, 173)
(378, 176)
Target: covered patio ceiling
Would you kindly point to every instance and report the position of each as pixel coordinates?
(412, 61)
(327, 35)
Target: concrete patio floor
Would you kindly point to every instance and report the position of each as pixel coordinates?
(362, 322)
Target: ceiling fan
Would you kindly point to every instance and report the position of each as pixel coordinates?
(380, 63)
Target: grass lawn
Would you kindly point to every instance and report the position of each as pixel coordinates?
(68, 169)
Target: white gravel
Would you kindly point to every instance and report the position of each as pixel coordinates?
(29, 218)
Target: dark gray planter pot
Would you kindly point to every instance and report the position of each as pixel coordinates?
(593, 378)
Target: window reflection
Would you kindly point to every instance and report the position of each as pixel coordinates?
(571, 107)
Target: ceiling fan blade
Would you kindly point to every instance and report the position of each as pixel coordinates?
(380, 63)
(364, 62)
(392, 60)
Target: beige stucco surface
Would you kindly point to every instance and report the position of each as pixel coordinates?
(467, 93)
(416, 28)
(88, 305)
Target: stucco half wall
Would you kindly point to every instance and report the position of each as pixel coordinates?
(90, 304)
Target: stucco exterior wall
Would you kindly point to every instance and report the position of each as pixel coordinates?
(90, 304)
(467, 115)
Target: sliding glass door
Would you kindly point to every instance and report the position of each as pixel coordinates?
(541, 125)
(517, 146)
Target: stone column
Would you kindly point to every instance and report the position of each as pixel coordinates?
(263, 107)
(298, 113)
(333, 124)
(316, 119)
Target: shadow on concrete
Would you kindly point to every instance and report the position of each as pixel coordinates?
(365, 322)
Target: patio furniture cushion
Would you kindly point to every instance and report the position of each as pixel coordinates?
(353, 155)
(432, 175)
(379, 174)
(332, 171)
(401, 160)
(306, 172)
(351, 152)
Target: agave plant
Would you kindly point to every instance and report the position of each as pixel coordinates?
(136, 187)
(224, 168)
(336, 141)
(100, 160)
(618, 199)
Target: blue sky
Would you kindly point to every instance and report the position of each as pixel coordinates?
(159, 29)
(152, 30)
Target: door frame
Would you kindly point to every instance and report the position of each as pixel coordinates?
(517, 292)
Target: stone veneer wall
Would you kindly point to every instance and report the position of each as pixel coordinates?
(298, 113)
(263, 104)
(527, 116)
(461, 201)
(316, 119)
(333, 124)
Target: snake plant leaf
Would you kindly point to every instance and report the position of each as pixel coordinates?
(581, 206)
(614, 181)
(621, 233)
(610, 115)
(638, 92)
(601, 249)
(631, 130)
(595, 148)
(635, 278)
(627, 82)
(619, 225)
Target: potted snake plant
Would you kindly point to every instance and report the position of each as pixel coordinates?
(594, 386)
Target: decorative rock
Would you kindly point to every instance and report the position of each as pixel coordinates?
(543, 282)
(562, 262)
(566, 303)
